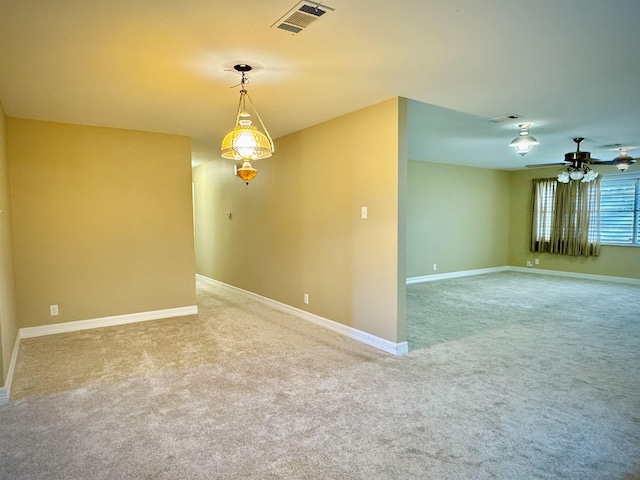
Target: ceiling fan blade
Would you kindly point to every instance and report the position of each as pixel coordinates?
(540, 165)
(602, 162)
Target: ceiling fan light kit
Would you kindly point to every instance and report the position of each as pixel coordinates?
(578, 168)
(584, 174)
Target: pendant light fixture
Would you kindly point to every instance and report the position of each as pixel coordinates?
(623, 161)
(245, 142)
(523, 142)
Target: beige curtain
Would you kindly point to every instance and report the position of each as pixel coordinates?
(566, 217)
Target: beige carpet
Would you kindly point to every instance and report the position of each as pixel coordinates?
(228, 328)
(510, 376)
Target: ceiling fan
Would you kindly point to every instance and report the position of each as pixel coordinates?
(576, 164)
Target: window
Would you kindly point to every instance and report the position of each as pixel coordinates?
(544, 193)
(566, 217)
(620, 209)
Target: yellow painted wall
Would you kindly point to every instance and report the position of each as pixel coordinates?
(296, 228)
(613, 260)
(102, 221)
(8, 314)
(458, 218)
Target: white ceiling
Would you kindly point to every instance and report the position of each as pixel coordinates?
(569, 67)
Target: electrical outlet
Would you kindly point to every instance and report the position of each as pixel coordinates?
(364, 213)
(529, 264)
(306, 298)
(537, 261)
(53, 310)
(435, 267)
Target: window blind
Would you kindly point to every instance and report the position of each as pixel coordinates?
(619, 209)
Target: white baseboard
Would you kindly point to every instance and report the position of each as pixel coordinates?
(557, 273)
(584, 276)
(5, 391)
(29, 332)
(363, 337)
(463, 273)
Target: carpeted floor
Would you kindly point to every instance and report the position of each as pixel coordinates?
(509, 376)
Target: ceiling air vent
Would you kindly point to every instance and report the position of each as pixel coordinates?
(610, 146)
(505, 118)
(301, 16)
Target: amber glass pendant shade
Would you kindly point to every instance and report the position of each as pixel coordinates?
(246, 172)
(245, 141)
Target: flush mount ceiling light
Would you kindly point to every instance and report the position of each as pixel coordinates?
(245, 142)
(523, 142)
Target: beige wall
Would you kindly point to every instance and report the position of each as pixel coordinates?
(458, 218)
(8, 315)
(297, 229)
(613, 261)
(102, 221)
